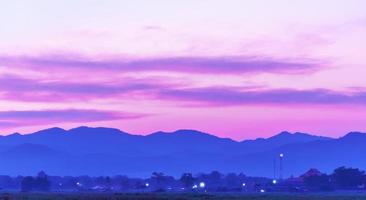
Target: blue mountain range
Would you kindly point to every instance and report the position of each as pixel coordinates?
(108, 151)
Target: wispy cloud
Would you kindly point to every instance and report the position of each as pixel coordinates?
(28, 90)
(224, 64)
(235, 96)
(18, 88)
(44, 117)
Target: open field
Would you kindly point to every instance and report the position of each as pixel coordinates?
(155, 196)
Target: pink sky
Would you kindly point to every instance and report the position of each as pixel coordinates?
(237, 68)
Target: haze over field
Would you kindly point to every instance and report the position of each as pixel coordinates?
(240, 69)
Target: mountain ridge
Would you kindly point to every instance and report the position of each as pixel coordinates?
(107, 151)
(178, 131)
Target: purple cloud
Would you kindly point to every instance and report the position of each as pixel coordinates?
(33, 90)
(235, 96)
(40, 117)
(227, 65)
(36, 90)
(22, 84)
(6, 124)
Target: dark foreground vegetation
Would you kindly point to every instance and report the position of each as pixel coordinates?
(342, 179)
(178, 196)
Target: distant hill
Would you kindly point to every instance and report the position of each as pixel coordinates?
(107, 151)
(281, 139)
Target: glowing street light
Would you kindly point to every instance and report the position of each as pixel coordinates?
(262, 191)
(274, 181)
(243, 184)
(147, 184)
(194, 187)
(202, 184)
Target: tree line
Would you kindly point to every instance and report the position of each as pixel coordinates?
(342, 178)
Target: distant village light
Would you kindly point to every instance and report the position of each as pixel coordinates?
(243, 184)
(194, 186)
(202, 184)
(262, 191)
(281, 155)
(147, 184)
(274, 181)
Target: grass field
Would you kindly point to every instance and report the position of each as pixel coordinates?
(154, 196)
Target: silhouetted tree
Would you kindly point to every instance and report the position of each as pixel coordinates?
(348, 178)
(41, 182)
(187, 180)
(139, 185)
(108, 183)
(318, 182)
(232, 181)
(27, 184)
(214, 179)
(7, 182)
(124, 182)
(158, 178)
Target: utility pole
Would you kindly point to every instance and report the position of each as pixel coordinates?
(281, 166)
(274, 169)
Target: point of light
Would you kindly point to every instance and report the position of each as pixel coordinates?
(194, 186)
(281, 155)
(243, 184)
(147, 184)
(274, 181)
(262, 191)
(202, 185)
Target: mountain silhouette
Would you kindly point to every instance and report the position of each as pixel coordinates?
(108, 151)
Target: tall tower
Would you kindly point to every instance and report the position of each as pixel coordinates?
(281, 166)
